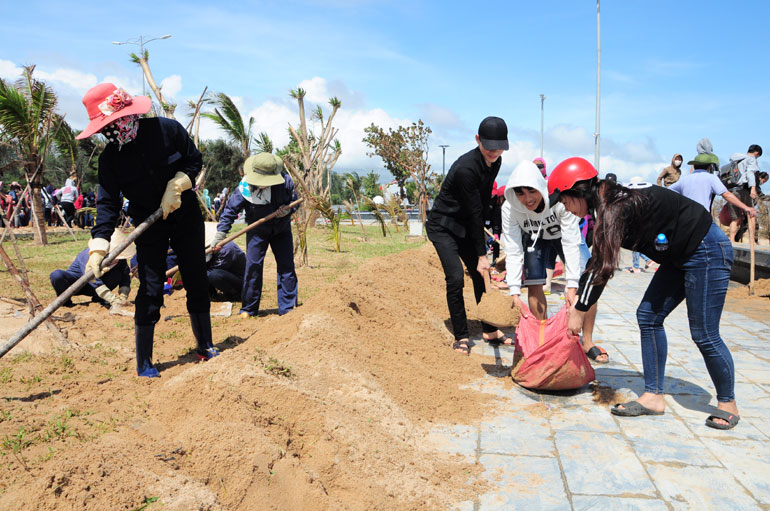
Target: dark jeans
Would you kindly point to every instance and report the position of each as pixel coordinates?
(183, 230)
(451, 251)
(229, 283)
(69, 212)
(702, 281)
(281, 243)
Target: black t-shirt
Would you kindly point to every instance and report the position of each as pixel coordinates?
(684, 222)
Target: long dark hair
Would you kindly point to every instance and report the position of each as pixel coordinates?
(615, 208)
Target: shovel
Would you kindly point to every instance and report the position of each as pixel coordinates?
(67, 294)
(751, 248)
(172, 271)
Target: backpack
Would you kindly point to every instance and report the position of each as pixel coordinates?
(730, 174)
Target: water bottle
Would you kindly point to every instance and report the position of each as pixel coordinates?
(661, 242)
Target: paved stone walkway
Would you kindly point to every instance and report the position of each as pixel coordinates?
(565, 451)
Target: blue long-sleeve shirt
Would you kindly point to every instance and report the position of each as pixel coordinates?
(141, 169)
(280, 195)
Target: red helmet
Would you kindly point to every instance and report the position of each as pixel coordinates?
(566, 174)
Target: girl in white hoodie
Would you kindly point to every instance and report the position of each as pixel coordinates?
(532, 231)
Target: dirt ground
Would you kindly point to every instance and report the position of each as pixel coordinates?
(327, 407)
(754, 306)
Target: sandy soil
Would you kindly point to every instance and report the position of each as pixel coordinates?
(756, 306)
(327, 407)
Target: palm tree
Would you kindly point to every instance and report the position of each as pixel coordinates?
(29, 121)
(227, 116)
(262, 143)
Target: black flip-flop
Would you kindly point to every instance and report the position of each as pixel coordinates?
(497, 341)
(731, 418)
(597, 351)
(632, 409)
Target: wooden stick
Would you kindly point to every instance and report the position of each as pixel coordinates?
(21, 259)
(64, 220)
(32, 302)
(493, 237)
(751, 266)
(230, 238)
(87, 276)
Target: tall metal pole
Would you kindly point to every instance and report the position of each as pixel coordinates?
(542, 117)
(597, 133)
(443, 160)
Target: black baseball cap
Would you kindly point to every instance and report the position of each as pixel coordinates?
(493, 134)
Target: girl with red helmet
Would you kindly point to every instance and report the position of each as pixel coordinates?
(695, 259)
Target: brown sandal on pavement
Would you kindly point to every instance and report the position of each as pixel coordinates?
(596, 352)
(505, 340)
(462, 347)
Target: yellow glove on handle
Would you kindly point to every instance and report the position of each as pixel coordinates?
(97, 251)
(172, 197)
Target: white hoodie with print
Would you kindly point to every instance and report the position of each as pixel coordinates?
(551, 223)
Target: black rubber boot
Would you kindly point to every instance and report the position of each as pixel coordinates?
(201, 327)
(144, 337)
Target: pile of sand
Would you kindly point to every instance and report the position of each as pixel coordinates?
(327, 407)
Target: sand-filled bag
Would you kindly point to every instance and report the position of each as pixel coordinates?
(547, 356)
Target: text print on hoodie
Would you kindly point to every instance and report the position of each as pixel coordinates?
(550, 224)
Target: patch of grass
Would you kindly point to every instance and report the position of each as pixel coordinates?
(16, 444)
(59, 427)
(32, 380)
(5, 415)
(147, 502)
(6, 375)
(24, 356)
(278, 368)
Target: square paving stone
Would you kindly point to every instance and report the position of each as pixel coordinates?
(590, 503)
(458, 439)
(680, 450)
(748, 461)
(601, 464)
(652, 427)
(583, 418)
(755, 376)
(523, 433)
(688, 488)
(523, 483)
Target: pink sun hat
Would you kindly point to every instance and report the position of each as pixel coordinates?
(105, 103)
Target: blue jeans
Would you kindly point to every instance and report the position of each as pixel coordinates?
(635, 257)
(702, 280)
(541, 258)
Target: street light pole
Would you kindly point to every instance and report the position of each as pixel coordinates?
(141, 41)
(443, 160)
(542, 117)
(597, 139)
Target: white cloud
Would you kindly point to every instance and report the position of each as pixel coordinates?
(171, 85)
(315, 89)
(9, 70)
(71, 78)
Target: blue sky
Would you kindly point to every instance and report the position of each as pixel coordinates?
(672, 72)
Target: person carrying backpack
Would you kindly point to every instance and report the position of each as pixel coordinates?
(739, 178)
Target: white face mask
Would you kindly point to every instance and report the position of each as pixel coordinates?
(678, 163)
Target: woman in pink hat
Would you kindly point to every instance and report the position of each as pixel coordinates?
(152, 162)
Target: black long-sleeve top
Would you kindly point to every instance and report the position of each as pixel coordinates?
(684, 222)
(140, 171)
(463, 201)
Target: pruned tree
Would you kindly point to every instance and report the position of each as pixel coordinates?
(310, 157)
(143, 59)
(404, 149)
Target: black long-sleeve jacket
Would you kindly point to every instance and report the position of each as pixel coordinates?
(140, 171)
(463, 202)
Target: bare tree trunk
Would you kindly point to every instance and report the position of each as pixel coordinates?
(168, 109)
(35, 180)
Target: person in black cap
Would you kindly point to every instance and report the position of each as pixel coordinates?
(456, 225)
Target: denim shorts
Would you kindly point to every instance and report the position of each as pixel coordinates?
(543, 257)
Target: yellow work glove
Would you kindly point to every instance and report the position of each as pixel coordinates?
(97, 251)
(172, 197)
(105, 294)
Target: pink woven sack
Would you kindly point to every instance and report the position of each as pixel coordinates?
(547, 356)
